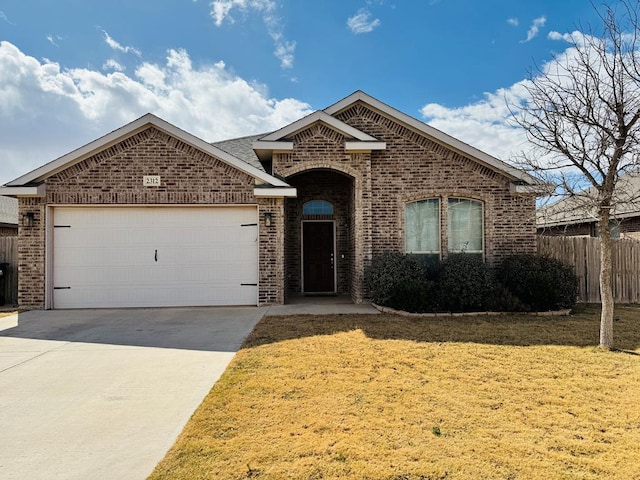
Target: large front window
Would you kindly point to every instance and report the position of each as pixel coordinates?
(465, 226)
(424, 222)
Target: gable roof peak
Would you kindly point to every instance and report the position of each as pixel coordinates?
(315, 117)
(144, 122)
(433, 133)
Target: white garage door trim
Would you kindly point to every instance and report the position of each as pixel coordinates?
(153, 256)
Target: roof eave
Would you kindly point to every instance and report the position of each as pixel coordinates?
(24, 191)
(537, 189)
(278, 192)
(315, 117)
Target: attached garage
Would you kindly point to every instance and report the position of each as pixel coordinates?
(154, 256)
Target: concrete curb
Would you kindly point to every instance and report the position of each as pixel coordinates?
(468, 314)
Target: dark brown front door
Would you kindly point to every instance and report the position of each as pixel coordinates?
(318, 260)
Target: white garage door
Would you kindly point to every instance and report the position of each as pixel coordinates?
(155, 256)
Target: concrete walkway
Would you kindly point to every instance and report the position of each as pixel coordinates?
(329, 305)
(103, 394)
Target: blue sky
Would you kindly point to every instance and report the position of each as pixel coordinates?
(72, 70)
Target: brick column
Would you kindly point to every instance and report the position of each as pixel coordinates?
(271, 284)
(31, 254)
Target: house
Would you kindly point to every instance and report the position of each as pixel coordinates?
(576, 215)
(8, 217)
(150, 215)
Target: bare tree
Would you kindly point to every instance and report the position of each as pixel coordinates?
(582, 115)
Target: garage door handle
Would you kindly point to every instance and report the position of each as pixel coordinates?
(156, 255)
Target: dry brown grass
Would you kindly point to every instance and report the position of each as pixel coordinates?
(7, 313)
(386, 397)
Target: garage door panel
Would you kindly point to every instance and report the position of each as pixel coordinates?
(124, 256)
(157, 296)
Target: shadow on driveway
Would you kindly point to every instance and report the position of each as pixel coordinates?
(220, 329)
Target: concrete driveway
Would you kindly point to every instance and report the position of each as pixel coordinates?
(103, 394)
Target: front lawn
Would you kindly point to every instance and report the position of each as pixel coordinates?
(388, 397)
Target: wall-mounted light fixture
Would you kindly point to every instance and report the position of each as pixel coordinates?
(268, 219)
(28, 219)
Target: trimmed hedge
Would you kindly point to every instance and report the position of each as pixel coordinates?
(541, 283)
(398, 281)
(464, 283)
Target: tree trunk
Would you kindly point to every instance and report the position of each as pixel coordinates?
(606, 289)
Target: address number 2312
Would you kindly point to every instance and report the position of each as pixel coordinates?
(151, 180)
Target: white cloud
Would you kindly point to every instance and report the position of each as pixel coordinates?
(553, 35)
(534, 29)
(574, 38)
(284, 49)
(112, 64)
(362, 22)
(54, 39)
(47, 111)
(513, 21)
(485, 124)
(4, 17)
(115, 45)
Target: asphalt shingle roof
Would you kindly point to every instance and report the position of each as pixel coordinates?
(242, 148)
(580, 209)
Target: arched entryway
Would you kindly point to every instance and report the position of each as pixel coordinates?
(319, 242)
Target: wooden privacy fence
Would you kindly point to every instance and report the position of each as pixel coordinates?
(9, 254)
(584, 254)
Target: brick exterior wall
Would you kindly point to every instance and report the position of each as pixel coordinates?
(8, 232)
(114, 177)
(578, 230)
(411, 168)
(271, 261)
(31, 254)
(630, 228)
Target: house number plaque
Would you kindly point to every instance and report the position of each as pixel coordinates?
(151, 180)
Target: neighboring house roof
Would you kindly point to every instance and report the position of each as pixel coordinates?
(30, 184)
(580, 208)
(8, 212)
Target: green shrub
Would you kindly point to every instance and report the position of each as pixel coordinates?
(413, 296)
(540, 283)
(502, 300)
(398, 281)
(464, 283)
